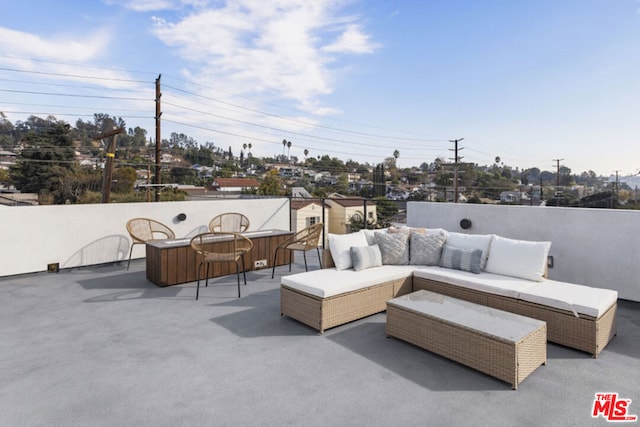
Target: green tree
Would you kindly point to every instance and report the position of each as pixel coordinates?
(46, 159)
(271, 185)
(386, 211)
(124, 179)
(4, 176)
(379, 185)
(357, 222)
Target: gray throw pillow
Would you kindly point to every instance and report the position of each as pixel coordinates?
(461, 259)
(394, 247)
(425, 249)
(364, 257)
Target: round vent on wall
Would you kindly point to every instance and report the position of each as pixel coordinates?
(465, 223)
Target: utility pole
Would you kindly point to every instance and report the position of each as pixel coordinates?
(158, 137)
(617, 193)
(557, 173)
(108, 164)
(456, 159)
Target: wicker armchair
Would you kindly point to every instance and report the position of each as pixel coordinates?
(229, 222)
(304, 240)
(143, 229)
(221, 247)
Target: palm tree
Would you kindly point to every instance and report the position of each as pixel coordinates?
(284, 145)
(306, 153)
(249, 148)
(289, 150)
(396, 154)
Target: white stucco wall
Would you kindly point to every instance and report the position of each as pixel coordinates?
(77, 235)
(595, 247)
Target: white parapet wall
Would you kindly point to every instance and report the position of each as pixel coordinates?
(79, 235)
(594, 247)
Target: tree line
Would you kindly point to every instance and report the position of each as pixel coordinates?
(48, 164)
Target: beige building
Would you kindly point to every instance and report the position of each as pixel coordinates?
(306, 212)
(342, 210)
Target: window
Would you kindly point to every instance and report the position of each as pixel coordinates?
(311, 220)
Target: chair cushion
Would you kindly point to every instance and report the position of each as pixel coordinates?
(569, 296)
(461, 259)
(425, 248)
(471, 241)
(366, 257)
(340, 245)
(394, 247)
(518, 258)
(330, 281)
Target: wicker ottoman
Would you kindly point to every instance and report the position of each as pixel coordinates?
(501, 344)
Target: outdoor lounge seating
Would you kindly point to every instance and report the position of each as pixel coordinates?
(513, 280)
(143, 229)
(219, 247)
(304, 240)
(229, 222)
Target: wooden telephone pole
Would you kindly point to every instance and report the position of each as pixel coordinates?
(158, 138)
(108, 166)
(456, 159)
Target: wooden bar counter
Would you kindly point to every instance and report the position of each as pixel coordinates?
(172, 261)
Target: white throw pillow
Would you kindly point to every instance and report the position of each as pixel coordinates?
(472, 241)
(340, 245)
(518, 258)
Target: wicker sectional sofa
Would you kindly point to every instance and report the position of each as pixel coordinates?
(577, 316)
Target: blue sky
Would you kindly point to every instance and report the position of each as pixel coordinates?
(528, 81)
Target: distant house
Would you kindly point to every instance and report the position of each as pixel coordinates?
(514, 197)
(300, 192)
(235, 184)
(306, 212)
(343, 210)
(7, 158)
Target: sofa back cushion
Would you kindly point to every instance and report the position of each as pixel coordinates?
(425, 249)
(471, 241)
(518, 258)
(461, 259)
(340, 246)
(394, 247)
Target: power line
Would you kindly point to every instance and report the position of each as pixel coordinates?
(114, 79)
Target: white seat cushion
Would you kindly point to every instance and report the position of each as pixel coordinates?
(485, 282)
(568, 296)
(328, 282)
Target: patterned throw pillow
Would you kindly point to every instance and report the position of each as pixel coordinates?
(461, 259)
(425, 249)
(394, 248)
(366, 257)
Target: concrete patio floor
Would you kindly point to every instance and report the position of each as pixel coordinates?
(102, 346)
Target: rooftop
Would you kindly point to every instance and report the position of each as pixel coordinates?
(101, 345)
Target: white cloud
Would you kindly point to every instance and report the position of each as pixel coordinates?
(353, 40)
(144, 5)
(61, 48)
(282, 48)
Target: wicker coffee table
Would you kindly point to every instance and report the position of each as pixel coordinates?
(501, 344)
